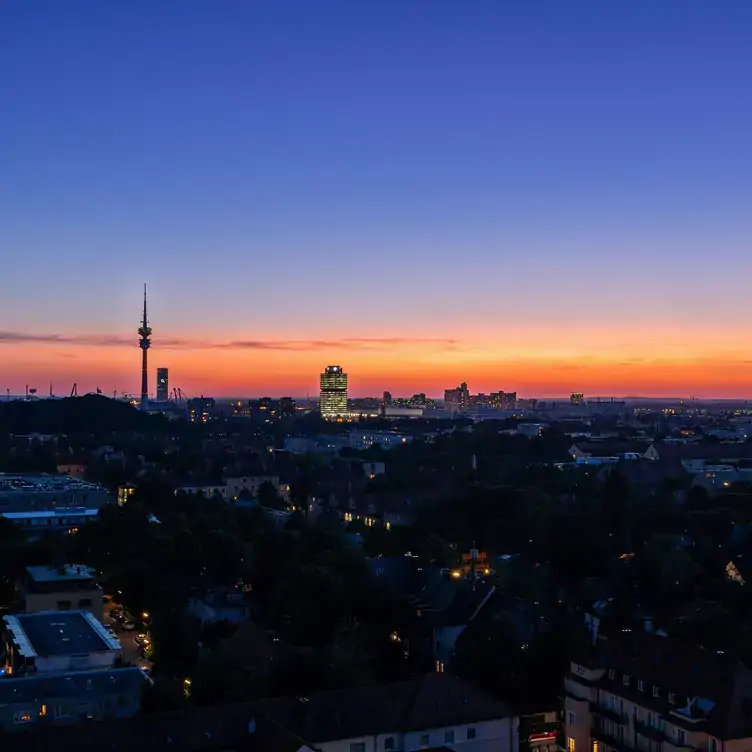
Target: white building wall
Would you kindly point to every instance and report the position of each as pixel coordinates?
(490, 736)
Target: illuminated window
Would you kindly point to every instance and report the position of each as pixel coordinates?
(596, 747)
(626, 680)
(439, 667)
(43, 710)
(570, 744)
(22, 716)
(641, 685)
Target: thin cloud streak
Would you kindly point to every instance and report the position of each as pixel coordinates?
(99, 340)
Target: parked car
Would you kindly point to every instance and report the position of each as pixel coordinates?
(142, 640)
(129, 626)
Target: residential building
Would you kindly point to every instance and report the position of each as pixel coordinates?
(201, 409)
(163, 385)
(42, 492)
(248, 485)
(457, 399)
(236, 727)
(437, 711)
(66, 519)
(55, 641)
(69, 698)
(124, 493)
(60, 668)
(75, 470)
(650, 693)
(65, 588)
(696, 455)
(385, 439)
(333, 396)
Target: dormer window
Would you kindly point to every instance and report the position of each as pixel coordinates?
(626, 680)
(641, 685)
(672, 698)
(611, 674)
(656, 691)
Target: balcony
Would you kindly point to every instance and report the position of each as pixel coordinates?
(612, 741)
(610, 714)
(650, 732)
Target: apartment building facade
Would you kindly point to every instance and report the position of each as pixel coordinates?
(649, 693)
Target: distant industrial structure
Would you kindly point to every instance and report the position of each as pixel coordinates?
(144, 343)
(333, 395)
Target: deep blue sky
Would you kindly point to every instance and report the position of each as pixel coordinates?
(310, 168)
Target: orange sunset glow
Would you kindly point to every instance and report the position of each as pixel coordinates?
(534, 361)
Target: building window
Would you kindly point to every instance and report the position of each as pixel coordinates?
(357, 747)
(43, 711)
(596, 747)
(61, 712)
(680, 737)
(672, 698)
(471, 733)
(626, 680)
(571, 719)
(389, 742)
(641, 685)
(656, 691)
(84, 603)
(580, 669)
(449, 737)
(63, 605)
(611, 674)
(425, 741)
(712, 745)
(22, 716)
(439, 667)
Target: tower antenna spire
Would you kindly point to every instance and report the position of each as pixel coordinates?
(144, 343)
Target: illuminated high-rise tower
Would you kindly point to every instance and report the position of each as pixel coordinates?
(333, 397)
(144, 343)
(163, 385)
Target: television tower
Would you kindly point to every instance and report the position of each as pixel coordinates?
(144, 343)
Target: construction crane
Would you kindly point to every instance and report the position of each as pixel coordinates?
(74, 390)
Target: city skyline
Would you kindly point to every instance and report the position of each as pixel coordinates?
(546, 200)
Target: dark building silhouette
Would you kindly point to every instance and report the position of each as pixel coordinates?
(163, 385)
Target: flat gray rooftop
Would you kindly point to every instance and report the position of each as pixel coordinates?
(60, 574)
(61, 633)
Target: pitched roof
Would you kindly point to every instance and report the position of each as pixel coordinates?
(432, 701)
(701, 450)
(685, 669)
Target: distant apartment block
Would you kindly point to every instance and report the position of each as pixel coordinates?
(201, 409)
